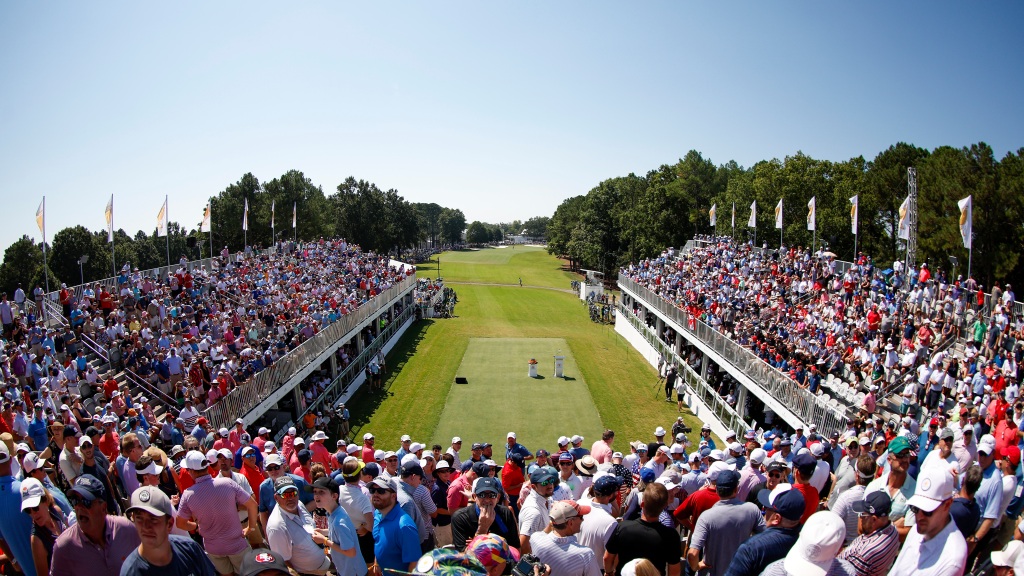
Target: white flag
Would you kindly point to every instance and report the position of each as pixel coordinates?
(271, 214)
(903, 229)
(811, 217)
(778, 215)
(41, 218)
(853, 214)
(205, 226)
(295, 208)
(161, 220)
(733, 214)
(109, 214)
(752, 222)
(712, 214)
(966, 217)
(245, 216)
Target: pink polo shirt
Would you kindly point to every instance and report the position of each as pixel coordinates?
(213, 504)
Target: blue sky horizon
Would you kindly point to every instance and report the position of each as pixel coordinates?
(501, 110)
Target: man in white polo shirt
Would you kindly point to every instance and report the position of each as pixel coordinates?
(454, 451)
(934, 546)
(559, 548)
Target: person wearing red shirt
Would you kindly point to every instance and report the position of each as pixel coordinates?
(319, 452)
(109, 386)
(110, 443)
(687, 513)
(803, 469)
(1006, 432)
(368, 448)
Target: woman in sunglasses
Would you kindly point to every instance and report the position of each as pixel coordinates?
(48, 522)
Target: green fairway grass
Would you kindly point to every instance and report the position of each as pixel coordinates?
(538, 410)
(423, 365)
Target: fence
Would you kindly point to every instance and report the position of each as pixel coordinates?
(805, 405)
(253, 392)
(725, 414)
(339, 386)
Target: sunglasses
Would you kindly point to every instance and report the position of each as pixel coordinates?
(545, 483)
(77, 501)
(487, 495)
(272, 467)
(565, 463)
(375, 490)
(916, 510)
(31, 510)
(776, 475)
(290, 495)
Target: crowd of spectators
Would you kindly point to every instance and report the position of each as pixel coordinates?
(872, 327)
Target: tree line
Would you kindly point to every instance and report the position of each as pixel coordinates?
(630, 217)
(376, 219)
(483, 232)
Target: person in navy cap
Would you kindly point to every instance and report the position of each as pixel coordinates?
(783, 507)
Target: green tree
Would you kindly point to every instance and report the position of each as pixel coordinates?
(23, 264)
(452, 223)
(478, 233)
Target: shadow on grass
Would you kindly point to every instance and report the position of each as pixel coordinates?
(366, 402)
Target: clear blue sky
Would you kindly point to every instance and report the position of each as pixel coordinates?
(500, 109)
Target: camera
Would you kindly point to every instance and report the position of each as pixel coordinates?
(526, 565)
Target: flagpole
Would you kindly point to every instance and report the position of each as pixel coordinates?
(209, 206)
(167, 228)
(113, 258)
(46, 268)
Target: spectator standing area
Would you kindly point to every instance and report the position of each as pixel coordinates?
(500, 393)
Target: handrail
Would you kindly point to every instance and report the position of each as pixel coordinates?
(251, 393)
(54, 311)
(804, 404)
(357, 364)
(726, 414)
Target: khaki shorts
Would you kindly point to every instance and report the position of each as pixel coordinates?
(228, 564)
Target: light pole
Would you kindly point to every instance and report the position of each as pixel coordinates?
(82, 260)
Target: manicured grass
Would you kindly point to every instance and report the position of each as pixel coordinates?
(500, 266)
(538, 410)
(422, 368)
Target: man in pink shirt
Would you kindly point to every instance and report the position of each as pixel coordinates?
(288, 444)
(368, 448)
(320, 453)
(235, 436)
(602, 449)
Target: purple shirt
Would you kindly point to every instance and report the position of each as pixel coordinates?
(75, 555)
(213, 504)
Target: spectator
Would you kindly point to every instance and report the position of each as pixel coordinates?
(211, 505)
(291, 531)
(783, 507)
(815, 550)
(275, 469)
(356, 502)
(341, 537)
(933, 546)
(536, 506)
(15, 527)
(98, 543)
(484, 515)
(396, 540)
(645, 538)
(873, 552)
(48, 521)
(722, 528)
(160, 551)
(559, 548)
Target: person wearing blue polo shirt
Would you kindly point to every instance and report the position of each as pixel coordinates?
(37, 429)
(396, 540)
(515, 447)
(15, 527)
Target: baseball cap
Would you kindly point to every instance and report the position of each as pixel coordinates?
(385, 483)
(607, 485)
(284, 484)
(934, 486)
(326, 483)
(816, 547)
(647, 475)
(150, 499)
(728, 479)
(298, 441)
(87, 487)
(543, 474)
(899, 444)
(789, 503)
(263, 430)
(32, 493)
(1012, 453)
(412, 468)
(223, 432)
(564, 510)
(817, 449)
(195, 460)
(875, 503)
(715, 469)
(152, 470)
(946, 434)
(5, 455)
(261, 560)
(1008, 555)
(987, 444)
(273, 459)
(486, 484)
(757, 455)
(456, 440)
(805, 463)
(406, 438)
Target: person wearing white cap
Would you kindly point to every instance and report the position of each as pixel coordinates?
(262, 435)
(406, 444)
(454, 451)
(577, 450)
(814, 553)
(990, 494)
(48, 522)
(1004, 561)
(934, 546)
(368, 449)
(319, 451)
(751, 475)
(659, 435)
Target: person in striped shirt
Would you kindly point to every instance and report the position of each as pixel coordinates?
(873, 552)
